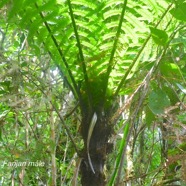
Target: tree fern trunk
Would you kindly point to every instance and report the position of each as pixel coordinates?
(88, 178)
(98, 149)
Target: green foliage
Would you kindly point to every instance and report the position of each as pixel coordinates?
(158, 101)
(170, 70)
(120, 152)
(179, 11)
(160, 37)
(174, 99)
(182, 118)
(150, 116)
(101, 49)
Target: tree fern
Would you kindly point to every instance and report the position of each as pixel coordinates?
(88, 26)
(101, 49)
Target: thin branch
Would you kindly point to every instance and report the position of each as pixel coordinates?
(66, 128)
(65, 79)
(59, 115)
(72, 111)
(143, 87)
(75, 177)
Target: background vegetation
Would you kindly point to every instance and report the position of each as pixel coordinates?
(82, 80)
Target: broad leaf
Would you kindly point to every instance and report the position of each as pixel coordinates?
(179, 12)
(170, 70)
(149, 116)
(160, 37)
(158, 101)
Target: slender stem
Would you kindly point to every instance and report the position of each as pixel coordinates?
(60, 52)
(110, 65)
(60, 117)
(81, 55)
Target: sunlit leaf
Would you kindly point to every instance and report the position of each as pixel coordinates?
(179, 12)
(170, 70)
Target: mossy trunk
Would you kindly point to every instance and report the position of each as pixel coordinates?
(98, 150)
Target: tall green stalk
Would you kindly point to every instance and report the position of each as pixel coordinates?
(119, 157)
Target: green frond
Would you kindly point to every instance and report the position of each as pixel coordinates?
(3, 2)
(144, 13)
(47, 6)
(135, 22)
(112, 13)
(96, 23)
(112, 3)
(106, 46)
(154, 5)
(109, 36)
(16, 6)
(104, 49)
(84, 3)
